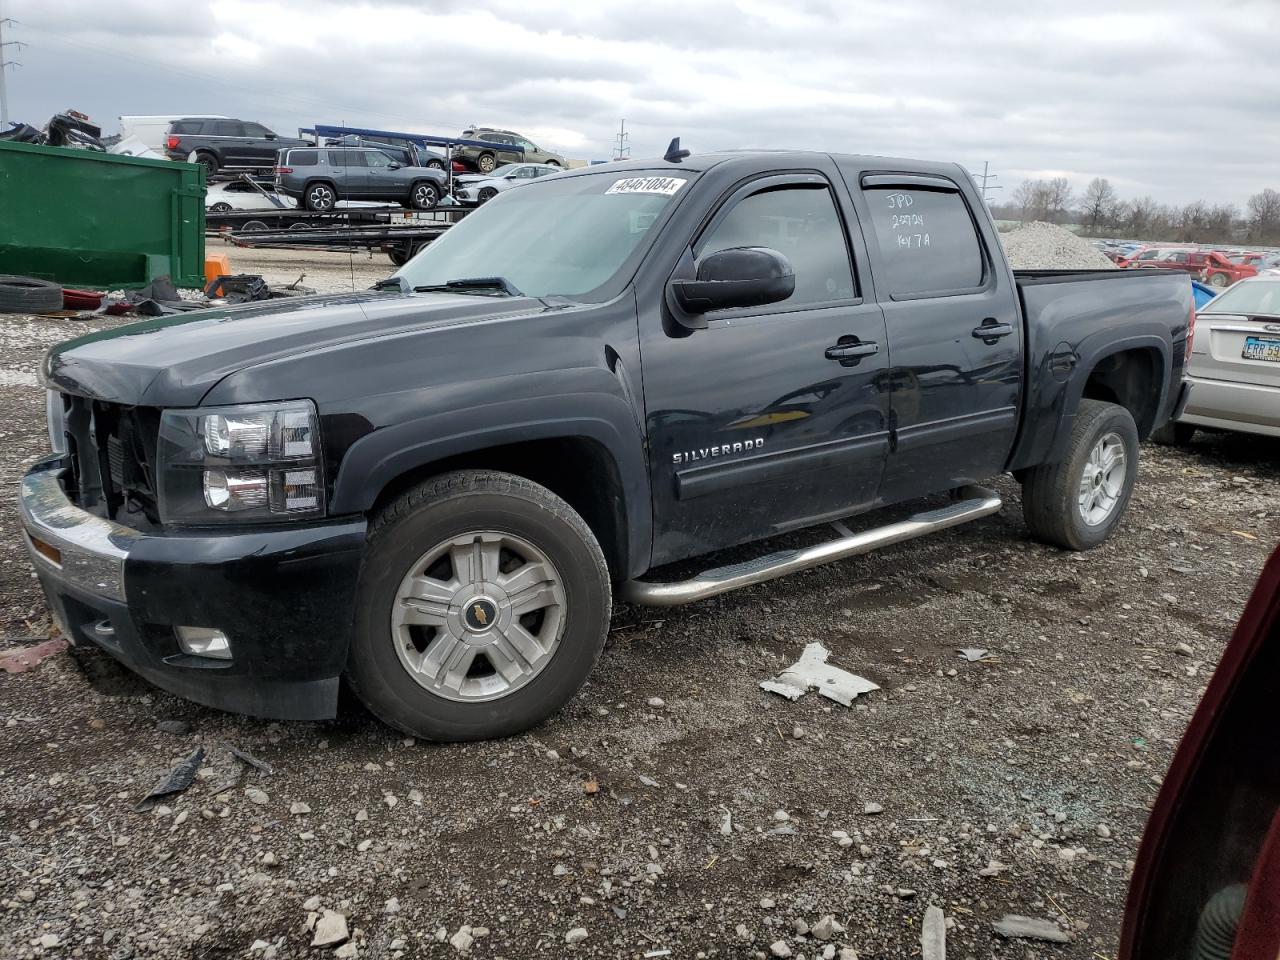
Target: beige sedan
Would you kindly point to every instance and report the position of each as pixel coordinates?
(1235, 364)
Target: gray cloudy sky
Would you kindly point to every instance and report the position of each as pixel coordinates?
(1175, 99)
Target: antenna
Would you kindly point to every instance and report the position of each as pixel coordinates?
(674, 154)
(5, 65)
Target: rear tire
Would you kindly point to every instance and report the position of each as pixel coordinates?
(221, 207)
(320, 197)
(1077, 503)
(486, 162)
(407, 655)
(209, 162)
(1173, 434)
(1219, 280)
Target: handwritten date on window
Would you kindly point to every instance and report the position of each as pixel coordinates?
(902, 218)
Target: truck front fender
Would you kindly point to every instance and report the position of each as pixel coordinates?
(411, 446)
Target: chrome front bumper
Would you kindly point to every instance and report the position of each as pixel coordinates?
(84, 550)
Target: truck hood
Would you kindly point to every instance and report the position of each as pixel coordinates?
(174, 361)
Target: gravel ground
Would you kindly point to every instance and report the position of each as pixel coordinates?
(1046, 246)
(673, 805)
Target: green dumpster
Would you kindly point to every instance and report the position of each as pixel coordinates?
(87, 219)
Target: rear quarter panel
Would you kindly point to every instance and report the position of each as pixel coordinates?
(1075, 321)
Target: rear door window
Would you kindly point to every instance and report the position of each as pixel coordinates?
(346, 158)
(228, 128)
(927, 239)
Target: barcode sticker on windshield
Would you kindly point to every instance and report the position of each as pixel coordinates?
(664, 186)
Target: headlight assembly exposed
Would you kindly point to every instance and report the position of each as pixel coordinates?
(241, 464)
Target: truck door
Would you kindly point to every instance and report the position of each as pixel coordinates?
(771, 417)
(955, 334)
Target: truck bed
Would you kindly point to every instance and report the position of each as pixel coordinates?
(1070, 319)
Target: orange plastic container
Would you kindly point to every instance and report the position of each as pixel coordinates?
(216, 265)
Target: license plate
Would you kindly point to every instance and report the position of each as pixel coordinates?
(1261, 348)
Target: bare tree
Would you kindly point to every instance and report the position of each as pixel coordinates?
(1264, 216)
(1058, 199)
(1099, 202)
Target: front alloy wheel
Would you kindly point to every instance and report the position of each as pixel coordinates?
(478, 616)
(495, 625)
(425, 196)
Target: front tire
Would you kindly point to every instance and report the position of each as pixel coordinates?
(483, 605)
(1077, 503)
(424, 196)
(485, 195)
(1219, 280)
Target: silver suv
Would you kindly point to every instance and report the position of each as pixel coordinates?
(318, 177)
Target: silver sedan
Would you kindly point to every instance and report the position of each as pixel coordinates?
(476, 188)
(1235, 363)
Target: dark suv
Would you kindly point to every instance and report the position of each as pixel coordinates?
(485, 159)
(225, 144)
(318, 177)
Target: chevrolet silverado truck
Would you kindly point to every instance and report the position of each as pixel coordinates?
(434, 489)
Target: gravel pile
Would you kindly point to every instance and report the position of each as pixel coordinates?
(1043, 246)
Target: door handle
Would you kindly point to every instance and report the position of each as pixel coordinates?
(850, 350)
(991, 331)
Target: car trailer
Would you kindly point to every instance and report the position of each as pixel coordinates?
(328, 131)
(397, 242)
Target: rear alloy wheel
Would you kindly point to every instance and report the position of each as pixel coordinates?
(485, 163)
(1077, 502)
(424, 196)
(492, 627)
(321, 197)
(220, 207)
(1219, 280)
(485, 195)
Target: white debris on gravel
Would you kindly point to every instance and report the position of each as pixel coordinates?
(812, 672)
(1044, 246)
(1012, 926)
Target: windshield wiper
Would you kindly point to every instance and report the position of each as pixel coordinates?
(472, 283)
(388, 283)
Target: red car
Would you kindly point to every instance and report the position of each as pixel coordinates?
(1220, 270)
(1207, 879)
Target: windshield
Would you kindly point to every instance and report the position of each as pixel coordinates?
(557, 236)
(1248, 297)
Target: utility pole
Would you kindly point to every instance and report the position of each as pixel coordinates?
(622, 149)
(986, 179)
(4, 66)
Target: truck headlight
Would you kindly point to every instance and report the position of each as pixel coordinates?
(241, 464)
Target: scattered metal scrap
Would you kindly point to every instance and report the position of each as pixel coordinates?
(175, 781)
(251, 760)
(974, 654)
(812, 672)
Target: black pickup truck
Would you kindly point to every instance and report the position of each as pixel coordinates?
(435, 488)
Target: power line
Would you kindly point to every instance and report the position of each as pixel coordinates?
(276, 98)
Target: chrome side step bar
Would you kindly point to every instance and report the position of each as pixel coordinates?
(974, 503)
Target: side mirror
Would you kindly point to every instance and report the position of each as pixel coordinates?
(736, 277)
(394, 165)
(272, 136)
